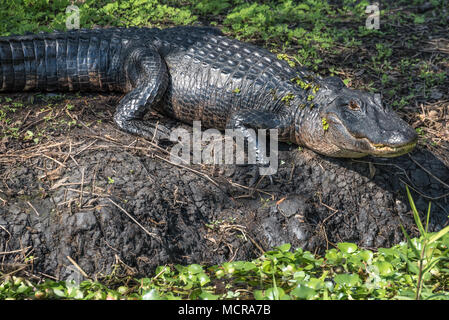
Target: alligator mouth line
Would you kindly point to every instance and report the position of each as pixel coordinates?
(387, 151)
(378, 150)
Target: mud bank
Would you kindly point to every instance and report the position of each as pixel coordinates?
(107, 201)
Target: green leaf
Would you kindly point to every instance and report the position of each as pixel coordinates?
(419, 19)
(274, 293)
(438, 235)
(195, 268)
(385, 268)
(410, 242)
(433, 262)
(303, 292)
(151, 294)
(415, 213)
(285, 247)
(208, 296)
(203, 278)
(366, 255)
(259, 295)
(315, 283)
(347, 247)
(346, 279)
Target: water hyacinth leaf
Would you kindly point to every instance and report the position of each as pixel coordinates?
(366, 255)
(315, 283)
(208, 296)
(258, 295)
(347, 247)
(244, 265)
(385, 268)
(333, 255)
(195, 268)
(303, 292)
(151, 294)
(388, 252)
(266, 266)
(299, 275)
(285, 247)
(346, 279)
(203, 278)
(229, 267)
(275, 293)
(59, 292)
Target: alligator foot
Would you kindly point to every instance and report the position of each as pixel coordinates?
(152, 132)
(146, 74)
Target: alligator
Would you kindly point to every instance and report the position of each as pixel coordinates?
(198, 74)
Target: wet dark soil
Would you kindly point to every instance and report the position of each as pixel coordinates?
(95, 199)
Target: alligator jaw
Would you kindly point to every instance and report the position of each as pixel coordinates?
(367, 148)
(390, 152)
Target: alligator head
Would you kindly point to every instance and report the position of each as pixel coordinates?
(352, 123)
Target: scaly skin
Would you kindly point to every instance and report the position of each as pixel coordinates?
(196, 73)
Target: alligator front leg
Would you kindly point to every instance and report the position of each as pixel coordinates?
(146, 79)
(247, 122)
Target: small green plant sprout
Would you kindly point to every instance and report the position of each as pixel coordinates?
(287, 98)
(423, 249)
(303, 84)
(28, 135)
(420, 131)
(325, 124)
(110, 180)
(236, 90)
(310, 97)
(285, 57)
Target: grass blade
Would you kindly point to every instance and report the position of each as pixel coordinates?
(415, 213)
(438, 235)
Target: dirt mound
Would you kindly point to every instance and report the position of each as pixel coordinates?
(98, 201)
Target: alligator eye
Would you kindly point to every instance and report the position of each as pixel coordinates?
(353, 105)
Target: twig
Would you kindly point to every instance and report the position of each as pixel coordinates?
(34, 209)
(134, 220)
(428, 172)
(48, 276)
(58, 162)
(15, 251)
(82, 187)
(256, 244)
(78, 267)
(190, 169)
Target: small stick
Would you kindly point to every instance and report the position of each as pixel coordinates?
(15, 251)
(134, 220)
(58, 162)
(256, 244)
(78, 267)
(34, 209)
(428, 172)
(82, 187)
(190, 169)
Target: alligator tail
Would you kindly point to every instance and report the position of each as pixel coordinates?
(63, 61)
